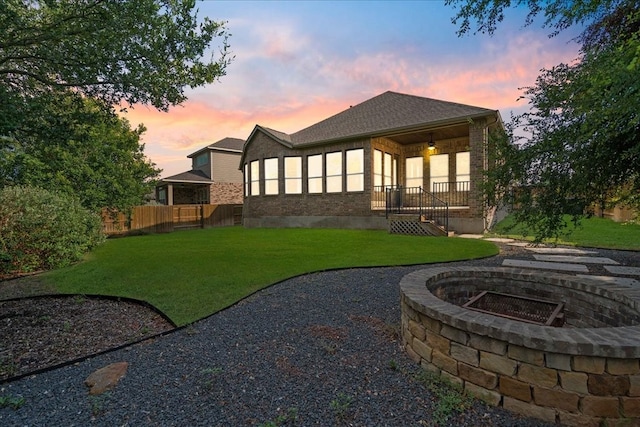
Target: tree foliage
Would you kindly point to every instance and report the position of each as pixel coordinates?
(65, 142)
(137, 51)
(41, 230)
(579, 145)
(66, 64)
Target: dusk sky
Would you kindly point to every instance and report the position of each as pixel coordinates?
(297, 63)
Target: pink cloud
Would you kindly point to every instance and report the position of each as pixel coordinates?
(289, 95)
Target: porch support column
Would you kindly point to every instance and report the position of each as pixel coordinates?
(170, 194)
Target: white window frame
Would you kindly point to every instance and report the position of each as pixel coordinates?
(388, 170)
(355, 170)
(255, 178)
(333, 175)
(377, 168)
(293, 175)
(315, 174)
(246, 179)
(271, 176)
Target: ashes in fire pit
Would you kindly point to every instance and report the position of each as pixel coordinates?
(531, 310)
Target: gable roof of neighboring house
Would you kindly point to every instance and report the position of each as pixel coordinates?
(192, 176)
(226, 144)
(385, 114)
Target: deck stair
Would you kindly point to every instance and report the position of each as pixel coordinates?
(414, 225)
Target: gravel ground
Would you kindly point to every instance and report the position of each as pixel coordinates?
(321, 349)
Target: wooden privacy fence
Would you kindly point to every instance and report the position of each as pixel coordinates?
(165, 219)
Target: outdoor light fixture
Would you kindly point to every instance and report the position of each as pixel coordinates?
(432, 145)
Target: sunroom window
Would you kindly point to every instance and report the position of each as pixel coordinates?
(334, 172)
(271, 176)
(355, 170)
(293, 175)
(314, 174)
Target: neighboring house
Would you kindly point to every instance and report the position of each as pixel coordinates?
(392, 154)
(214, 177)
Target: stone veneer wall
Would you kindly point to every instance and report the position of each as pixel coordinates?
(578, 377)
(226, 193)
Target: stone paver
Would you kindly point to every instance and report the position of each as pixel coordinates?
(471, 236)
(499, 239)
(561, 251)
(626, 271)
(622, 281)
(575, 259)
(578, 268)
(519, 244)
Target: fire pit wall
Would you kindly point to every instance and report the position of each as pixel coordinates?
(581, 374)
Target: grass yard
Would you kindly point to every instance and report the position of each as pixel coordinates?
(189, 275)
(592, 232)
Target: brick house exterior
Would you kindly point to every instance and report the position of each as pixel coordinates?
(338, 172)
(213, 179)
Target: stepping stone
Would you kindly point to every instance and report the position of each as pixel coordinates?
(499, 240)
(561, 251)
(622, 281)
(578, 268)
(576, 259)
(520, 244)
(625, 271)
(471, 236)
(106, 378)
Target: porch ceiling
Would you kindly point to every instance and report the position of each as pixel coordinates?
(425, 135)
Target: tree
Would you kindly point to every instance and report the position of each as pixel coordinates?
(579, 145)
(65, 142)
(66, 64)
(136, 51)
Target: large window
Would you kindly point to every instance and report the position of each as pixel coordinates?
(271, 176)
(334, 172)
(439, 167)
(202, 159)
(385, 168)
(255, 178)
(314, 174)
(377, 168)
(414, 172)
(246, 179)
(355, 170)
(463, 171)
(390, 166)
(293, 175)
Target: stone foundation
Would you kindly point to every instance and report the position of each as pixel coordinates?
(578, 376)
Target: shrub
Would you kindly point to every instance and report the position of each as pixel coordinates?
(43, 230)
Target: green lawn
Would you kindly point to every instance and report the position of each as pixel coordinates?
(191, 274)
(592, 232)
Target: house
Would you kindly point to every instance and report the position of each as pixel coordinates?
(214, 177)
(391, 157)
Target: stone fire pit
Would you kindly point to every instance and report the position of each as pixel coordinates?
(583, 373)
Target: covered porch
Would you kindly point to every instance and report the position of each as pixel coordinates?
(188, 188)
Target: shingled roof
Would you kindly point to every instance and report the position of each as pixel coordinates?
(381, 115)
(385, 113)
(192, 176)
(225, 144)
